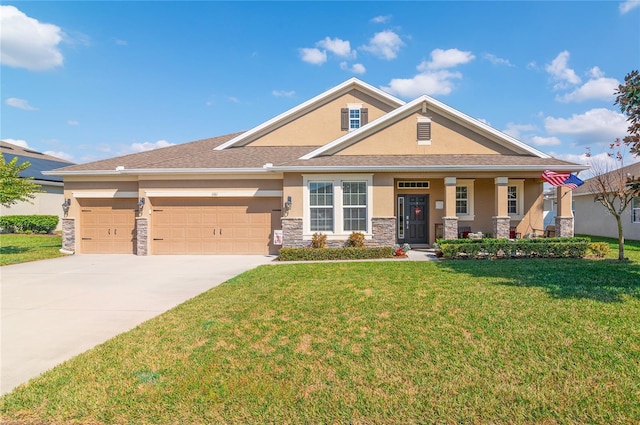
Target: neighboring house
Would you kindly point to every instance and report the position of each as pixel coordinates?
(592, 218)
(49, 201)
(353, 158)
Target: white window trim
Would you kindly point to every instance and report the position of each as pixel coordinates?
(338, 219)
(519, 184)
(351, 107)
(469, 183)
(635, 210)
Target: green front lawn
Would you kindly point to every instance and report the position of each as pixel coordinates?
(505, 341)
(16, 249)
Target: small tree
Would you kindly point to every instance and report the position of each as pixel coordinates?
(14, 188)
(628, 99)
(613, 187)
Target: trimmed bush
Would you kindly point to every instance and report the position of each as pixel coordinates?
(356, 240)
(41, 224)
(599, 249)
(318, 254)
(505, 248)
(318, 240)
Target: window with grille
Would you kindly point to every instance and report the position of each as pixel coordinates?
(462, 200)
(512, 199)
(354, 206)
(321, 206)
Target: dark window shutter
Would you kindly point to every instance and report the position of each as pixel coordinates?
(344, 119)
(364, 116)
(424, 131)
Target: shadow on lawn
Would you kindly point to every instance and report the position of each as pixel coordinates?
(600, 280)
(5, 250)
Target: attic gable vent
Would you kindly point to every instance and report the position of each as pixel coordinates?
(424, 131)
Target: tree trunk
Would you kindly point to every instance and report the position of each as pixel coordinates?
(620, 238)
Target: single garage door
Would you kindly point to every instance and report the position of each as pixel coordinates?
(214, 225)
(107, 226)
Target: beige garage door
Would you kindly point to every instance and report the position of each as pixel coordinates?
(107, 226)
(214, 226)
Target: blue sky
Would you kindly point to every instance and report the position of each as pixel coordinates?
(90, 80)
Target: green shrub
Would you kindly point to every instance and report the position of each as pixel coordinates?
(356, 240)
(505, 248)
(41, 224)
(318, 240)
(349, 253)
(599, 249)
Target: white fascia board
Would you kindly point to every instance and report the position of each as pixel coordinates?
(422, 168)
(239, 193)
(437, 106)
(350, 83)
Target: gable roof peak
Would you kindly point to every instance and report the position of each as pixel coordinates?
(335, 91)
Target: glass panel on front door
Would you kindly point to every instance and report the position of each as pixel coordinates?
(413, 219)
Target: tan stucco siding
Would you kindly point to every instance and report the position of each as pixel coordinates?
(213, 184)
(293, 186)
(533, 219)
(320, 125)
(447, 137)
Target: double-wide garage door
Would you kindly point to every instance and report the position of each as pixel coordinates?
(214, 225)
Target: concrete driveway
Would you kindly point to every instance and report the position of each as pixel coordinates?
(55, 309)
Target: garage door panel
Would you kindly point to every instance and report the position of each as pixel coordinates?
(107, 226)
(214, 226)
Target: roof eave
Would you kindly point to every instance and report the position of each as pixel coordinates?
(427, 168)
(170, 171)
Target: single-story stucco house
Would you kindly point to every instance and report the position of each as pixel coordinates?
(592, 218)
(49, 200)
(353, 158)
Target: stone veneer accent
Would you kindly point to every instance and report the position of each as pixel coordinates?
(502, 227)
(68, 235)
(564, 227)
(450, 225)
(384, 233)
(142, 236)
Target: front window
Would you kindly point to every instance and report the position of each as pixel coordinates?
(635, 210)
(321, 206)
(354, 201)
(462, 200)
(354, 119)
(512, 200)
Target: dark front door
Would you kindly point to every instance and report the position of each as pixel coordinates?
(415, 219)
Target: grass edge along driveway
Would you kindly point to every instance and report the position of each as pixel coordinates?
(523, 341)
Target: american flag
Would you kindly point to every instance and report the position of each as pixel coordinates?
(561, 179)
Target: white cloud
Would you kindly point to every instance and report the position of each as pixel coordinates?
(628, 5)
(233, 99)
(283, 93)
(356, 68)
(60, 154)
(313, 56)
(148, 146)
(543, 141)
(337, 46)
(381, 19)
(17, 142)
(120, 42)
(498, 61)
(20, 104)
(515, 130)
(27, 43)
(560, 72)
(446, 59)
(599, 88)
(594, 127)
(432, 79)
(73, 122)
(432, 83)
(385, 45)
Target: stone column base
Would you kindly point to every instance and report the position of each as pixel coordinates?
(292, 233)
(564, 227)
(501, 227)
(68, 236)
(384, 231)
(142, 236)
(450, 225)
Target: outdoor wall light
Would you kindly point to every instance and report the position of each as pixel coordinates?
(287, 205)
(141, 204)
(65, 206)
